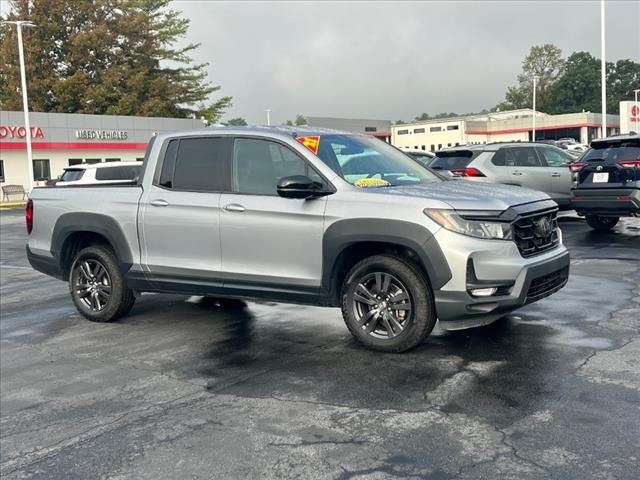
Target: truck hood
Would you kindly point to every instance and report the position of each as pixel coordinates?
(466, 195)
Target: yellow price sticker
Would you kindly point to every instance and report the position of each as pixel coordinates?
(371, 182)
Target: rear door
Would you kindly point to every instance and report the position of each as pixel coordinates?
(269, 241)
(180, 216)
(526, 168)
(557, 164)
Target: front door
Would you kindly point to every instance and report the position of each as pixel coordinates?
(180, 215)
(526, 169)
(269, 242)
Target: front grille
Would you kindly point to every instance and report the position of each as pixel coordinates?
(536, 233)
(547, 284)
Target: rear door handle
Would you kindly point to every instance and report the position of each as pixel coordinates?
(555, 174)
(234, 207)
(517, 173)
(159, 203)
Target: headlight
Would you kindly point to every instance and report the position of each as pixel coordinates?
(450, 220)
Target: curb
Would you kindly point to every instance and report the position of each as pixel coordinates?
(12, 204)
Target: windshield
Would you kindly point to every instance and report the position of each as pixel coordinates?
(72, 175)
(616, 152)
(452, 160)
(369, 162)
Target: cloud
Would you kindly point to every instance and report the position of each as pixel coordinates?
(388, 60)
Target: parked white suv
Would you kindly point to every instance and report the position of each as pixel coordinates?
(111, 172)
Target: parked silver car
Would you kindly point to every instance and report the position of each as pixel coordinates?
(532, 165)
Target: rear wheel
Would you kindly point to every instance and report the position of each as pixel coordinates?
(387, 304)
(602, 224)
(98, 287)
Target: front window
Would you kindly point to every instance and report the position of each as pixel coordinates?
(72, 174)
(357, 158)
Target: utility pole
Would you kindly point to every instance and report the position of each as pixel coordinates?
(535, 82)
(268, 116)
(637, 108)
(25, 103)
(603, 71)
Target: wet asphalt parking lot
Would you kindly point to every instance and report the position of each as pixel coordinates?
(183, 388)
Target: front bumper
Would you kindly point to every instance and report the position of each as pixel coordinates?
(490, 263)
(617, 202)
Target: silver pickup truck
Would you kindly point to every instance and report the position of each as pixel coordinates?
(307, 216)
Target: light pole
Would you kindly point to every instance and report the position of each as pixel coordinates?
(25, 104)
(268, 116)
(603, 72)
(535, 81)
(637, 108)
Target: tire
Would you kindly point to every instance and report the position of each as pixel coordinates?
(601, 224)
(392, 282)
(98, 287)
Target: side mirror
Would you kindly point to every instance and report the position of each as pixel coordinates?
(300, 186)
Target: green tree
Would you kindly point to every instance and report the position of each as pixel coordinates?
(422, 117)
(236, 122)
(300, 120)
(579, 87)
(115, 57)
(622, 78)
(546, 63)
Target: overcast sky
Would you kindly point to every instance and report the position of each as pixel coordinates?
(388, 60)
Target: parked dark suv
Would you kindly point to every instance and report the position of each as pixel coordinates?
(608, 181)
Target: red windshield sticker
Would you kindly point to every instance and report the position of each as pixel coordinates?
(310, 142)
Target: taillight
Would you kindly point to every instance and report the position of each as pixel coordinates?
(629, 163)
(28, 214)
(467, 172)
(576, 166)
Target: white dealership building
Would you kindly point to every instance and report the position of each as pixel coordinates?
(507, 126)
(60, 140)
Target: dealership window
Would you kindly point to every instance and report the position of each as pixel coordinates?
(140, 159)
(111, 159)
(75, 161)
(457, 143)
(93, 160)
(423, 147)
(453, 127)
(403, 132)
(419, 130)
(41, 170)
(433, 148)
(435, 129)
(439, 146)
(415, 147)
(370, 129)
(448, 144)
(1, 170)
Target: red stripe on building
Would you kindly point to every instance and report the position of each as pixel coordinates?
(528, 129)
(73, 145)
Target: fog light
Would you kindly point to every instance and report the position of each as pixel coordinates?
(483, 292)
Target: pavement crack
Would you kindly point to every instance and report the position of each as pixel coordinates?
(305, 443)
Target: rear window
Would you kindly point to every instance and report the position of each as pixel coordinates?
(454, 159)
(615, 152)
(72, 175)
(126, 172)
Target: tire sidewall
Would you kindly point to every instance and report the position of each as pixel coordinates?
(118, 288)
(423, 313)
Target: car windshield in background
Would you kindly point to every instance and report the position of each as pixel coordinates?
(366, 161)
(423, 159)
(616, 152)
(127, 172)
(72, 175)
(452, 160)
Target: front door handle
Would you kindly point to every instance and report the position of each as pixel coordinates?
(517, 173)
(159, 203)
(234, 207)
(555, 174)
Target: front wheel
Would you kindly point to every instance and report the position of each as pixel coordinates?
(97, 285)
(387, 304)
(602, 224)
